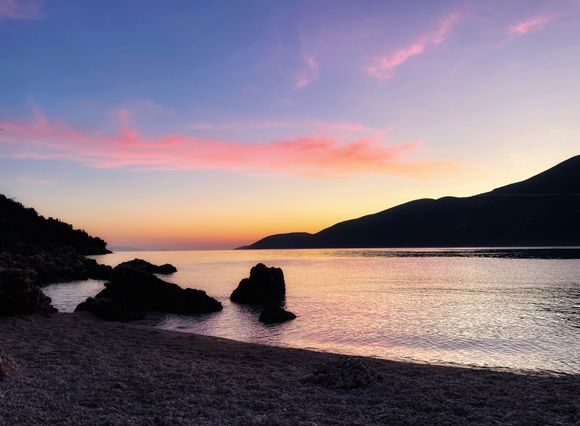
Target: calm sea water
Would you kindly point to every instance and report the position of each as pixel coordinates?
(512, 313)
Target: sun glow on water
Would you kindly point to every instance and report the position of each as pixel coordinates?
(514, 313)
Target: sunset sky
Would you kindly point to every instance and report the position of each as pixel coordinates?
(211, 124)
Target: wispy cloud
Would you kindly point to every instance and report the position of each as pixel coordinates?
(20, 9)
(528, 25)
(314, 155)
(309, 74)
(383, 67)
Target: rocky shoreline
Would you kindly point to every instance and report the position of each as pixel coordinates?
(58, 265)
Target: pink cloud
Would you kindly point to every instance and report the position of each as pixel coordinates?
(20, 9)
(383, 67)
(309, 74)
(315, 155)
(528, 25)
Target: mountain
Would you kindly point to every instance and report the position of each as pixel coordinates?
(543, 210)
(23, 229)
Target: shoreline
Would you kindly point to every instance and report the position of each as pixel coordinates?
(78, 369)
(497, 252)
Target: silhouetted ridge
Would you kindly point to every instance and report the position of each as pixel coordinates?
(290, 238)
(21, 227)
(561, 179)
(541, 211)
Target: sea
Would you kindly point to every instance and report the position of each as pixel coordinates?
(426, 306)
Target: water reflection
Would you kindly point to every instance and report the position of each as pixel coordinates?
(518, 313)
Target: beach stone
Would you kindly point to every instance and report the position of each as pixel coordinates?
(8, 367)
(344, 374)
(20, 294)
(145, 266)
(265, 285)
(275, 314)
(144, 291)
(109, 309)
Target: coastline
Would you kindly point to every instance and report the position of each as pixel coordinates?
(76, 368)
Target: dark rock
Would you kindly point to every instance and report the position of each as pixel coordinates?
(62, 264)
(274, 314)
(145, 292)
(265, 285)
(344, 374)
(109, 309)
(145, 266)
(8, 367)
(166, 268)
(21, 294)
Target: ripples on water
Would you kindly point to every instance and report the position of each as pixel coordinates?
(514, 313)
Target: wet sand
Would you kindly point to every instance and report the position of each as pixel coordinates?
(79, 370)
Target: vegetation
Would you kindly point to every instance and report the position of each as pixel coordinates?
(22, 227)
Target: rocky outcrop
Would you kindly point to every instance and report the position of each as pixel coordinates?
(20, 294)
(145, 266)
(109, 309)
(265, 285)
(59, 265)
(52, 248)
(275, 314)
(144, 292)
(8, 367)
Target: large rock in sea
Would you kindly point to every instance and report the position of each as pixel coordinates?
(145, 292)
(145, 266)
(275, 314)
(265, 285)
(109, 309)
(20, 294)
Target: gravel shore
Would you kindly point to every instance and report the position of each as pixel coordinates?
(74, 369)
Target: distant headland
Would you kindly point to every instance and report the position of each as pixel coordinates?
(543, 210)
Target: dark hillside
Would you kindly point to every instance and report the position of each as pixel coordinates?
(21, 226)
(543, 210)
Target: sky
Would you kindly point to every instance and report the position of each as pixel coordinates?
(211, 124)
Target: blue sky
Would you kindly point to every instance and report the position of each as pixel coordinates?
(211, 124)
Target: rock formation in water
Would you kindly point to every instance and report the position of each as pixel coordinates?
(540, 211)
(142, 291)
(274, 314)
(110, 309)
(20, 294)
(265, 285)
(145, 266)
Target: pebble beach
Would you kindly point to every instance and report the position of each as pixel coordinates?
(76, 369)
